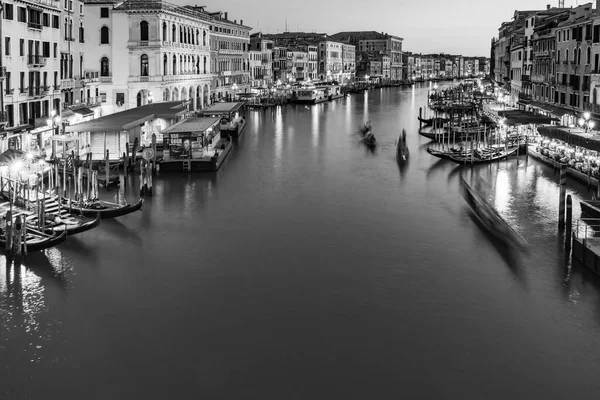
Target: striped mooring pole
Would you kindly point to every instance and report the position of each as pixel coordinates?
(561, 200)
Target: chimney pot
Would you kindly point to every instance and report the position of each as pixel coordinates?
(241, 22)
(226, 15)
(547, 6)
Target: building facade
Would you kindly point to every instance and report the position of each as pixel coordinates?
(331, 62)
(229, 47)
(263, 75)
(31, 96)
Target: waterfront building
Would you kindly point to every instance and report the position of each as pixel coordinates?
(516, 65)
(545, 80)
(299, 59)
(330, 61)
(229, 46)
(31, 33)
(349, 63)
(282, 66)
(72, 54)
(371, 41)
(375, 66)
(263, 70)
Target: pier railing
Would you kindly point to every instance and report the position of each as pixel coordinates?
(587, 228)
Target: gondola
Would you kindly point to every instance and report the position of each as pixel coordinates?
(369, 140)
(38, 241)
(401, 147)
(58, 218)
(431, 121)
(106, 209)
(483, 157)
(446, 154)
(490, 219)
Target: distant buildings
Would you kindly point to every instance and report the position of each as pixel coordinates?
(66, 62)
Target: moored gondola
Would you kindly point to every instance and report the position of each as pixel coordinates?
(106, 209)
(480, 157)
(37, 240)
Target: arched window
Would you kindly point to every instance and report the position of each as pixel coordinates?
(205, 64)
(144, 65)
(566, 55)
(144, 31)
(181, 34)
(203, 38)
(173, 33)
(164, 32)
(66, 28)
(181, 65)
(104, 71)
(165, 64)
(579, 56)
(588, 55)
(104, 35)
(595, 96)
(81, 35)
(174, 72)
(558, 56)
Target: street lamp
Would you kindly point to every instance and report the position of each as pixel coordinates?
(585, 122)
(53, 121)
(234, 87)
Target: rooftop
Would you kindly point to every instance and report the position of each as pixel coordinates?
(128, 119)
(364, 35)
(196, 124)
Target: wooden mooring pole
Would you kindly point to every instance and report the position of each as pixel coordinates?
(569, 226)
(561, 204)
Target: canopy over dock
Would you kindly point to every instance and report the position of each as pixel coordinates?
(221, 109)
(133, 117)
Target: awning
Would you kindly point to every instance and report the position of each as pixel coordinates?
(572, 136)
(84, 111)
(520, 117)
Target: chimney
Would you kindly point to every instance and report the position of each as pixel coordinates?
(547, 6)
(242, 21)
(226, 14)
(235, 21)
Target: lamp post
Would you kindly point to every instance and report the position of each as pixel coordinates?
(234, 87)
(585, 122)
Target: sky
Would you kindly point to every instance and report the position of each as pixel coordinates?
(428, 26)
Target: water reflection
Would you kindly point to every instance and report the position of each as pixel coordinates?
(314, 111)
(23, 305)
(366, 105)
(278, 126)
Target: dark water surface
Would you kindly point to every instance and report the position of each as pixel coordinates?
(310, 267)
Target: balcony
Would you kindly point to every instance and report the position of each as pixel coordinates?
(3, 118)
(35, 60)
(67, 83)
(91, 76)
(69, 39)
(34, 26)
(36, 91)
(106, 79)
(9, 91)
(525, 78)
(595, 108)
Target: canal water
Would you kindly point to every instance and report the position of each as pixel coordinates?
(310, 267)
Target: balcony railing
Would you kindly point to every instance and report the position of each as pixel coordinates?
(35, 91)
(36, 60)
(34, 25)
(67, 83)
(105, 79)
(595, 108)
(3, 117)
